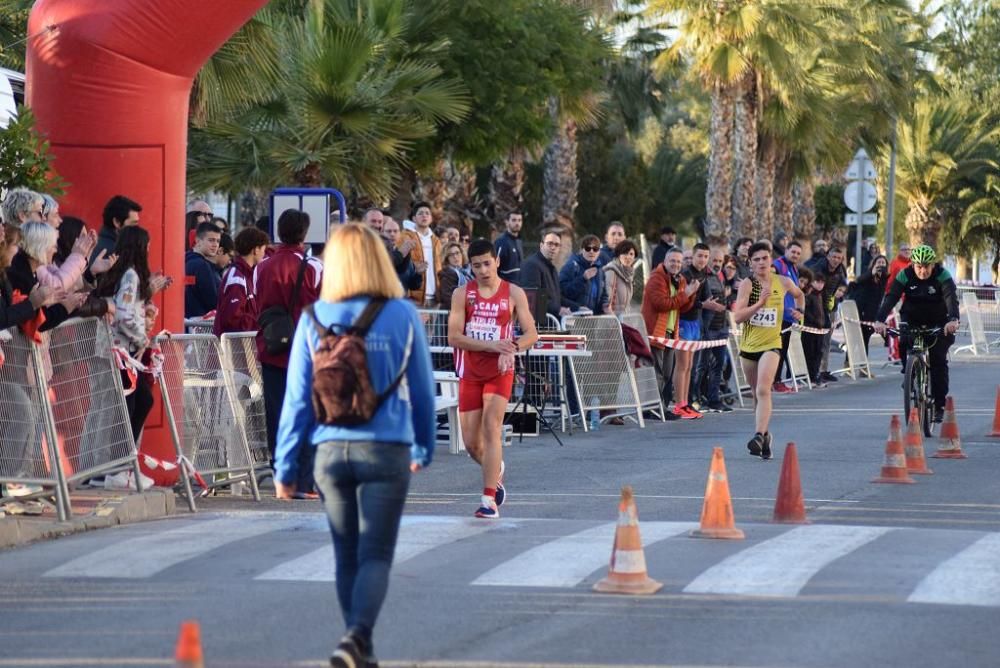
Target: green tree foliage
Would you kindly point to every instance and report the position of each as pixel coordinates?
(512, 57)
(25, 158)
(13, 29)
(350, 105)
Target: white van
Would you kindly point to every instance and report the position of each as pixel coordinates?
(11, 94)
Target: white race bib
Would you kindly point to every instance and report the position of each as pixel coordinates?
(482, 330)
(765, 317)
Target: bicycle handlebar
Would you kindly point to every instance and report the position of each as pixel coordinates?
(904, 330)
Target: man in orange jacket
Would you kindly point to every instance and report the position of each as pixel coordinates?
(666, 296)
(424, 249)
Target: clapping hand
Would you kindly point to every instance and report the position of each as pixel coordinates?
(42, 296)
(73, 301)
(103, 262)
(85, 243)
(159, 281)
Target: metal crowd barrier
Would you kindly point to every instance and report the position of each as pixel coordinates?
(204, 419)
(436, 328)
(604, 380)
(645, 376)
(973, 322)
(857, 356)
(239, 353)
(62, 410)
(797, 361)
(982, 306)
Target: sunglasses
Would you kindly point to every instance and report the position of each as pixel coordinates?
(592, 249)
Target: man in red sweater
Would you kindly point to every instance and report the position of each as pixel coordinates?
(898, 264)
(666, 296)
(275, 279)
(237, 307)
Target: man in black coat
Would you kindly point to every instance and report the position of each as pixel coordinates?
(539, 273)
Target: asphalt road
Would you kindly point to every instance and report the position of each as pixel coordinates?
(886, 575)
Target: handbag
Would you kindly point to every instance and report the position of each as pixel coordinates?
(276, 325)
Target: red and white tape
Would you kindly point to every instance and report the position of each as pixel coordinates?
(806, 330)
(678, 344)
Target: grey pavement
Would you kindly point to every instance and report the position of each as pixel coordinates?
(886, 575)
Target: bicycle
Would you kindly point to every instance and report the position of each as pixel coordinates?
(917, 376)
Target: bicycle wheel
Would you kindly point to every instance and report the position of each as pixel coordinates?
(913, 390)
(927, 406)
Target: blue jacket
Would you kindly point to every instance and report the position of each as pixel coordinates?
(785, 268)
(510, 253)
(405, 417)
(201, 292)
(578, 291)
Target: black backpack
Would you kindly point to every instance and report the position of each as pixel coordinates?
(342, 391)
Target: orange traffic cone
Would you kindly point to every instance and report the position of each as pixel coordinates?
(627, 570)
(188, 653)
(894, 466)
(951, 447)
(790, 505)
(914, 446)
(717, 512)
(996, 416)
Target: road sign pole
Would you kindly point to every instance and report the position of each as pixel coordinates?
(890, 203)
(858, 229)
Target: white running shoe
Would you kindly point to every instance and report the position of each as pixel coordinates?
(126, 480)
(488, 508)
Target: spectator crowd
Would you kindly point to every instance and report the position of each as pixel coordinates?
(54, 267)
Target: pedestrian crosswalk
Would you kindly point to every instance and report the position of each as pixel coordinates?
(957, 567)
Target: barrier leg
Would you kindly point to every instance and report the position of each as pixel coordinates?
(178, 448)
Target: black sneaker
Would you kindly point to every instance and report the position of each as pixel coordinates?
(670, 416)
(828, 377)
(756, 444)
(719, 407)
(765, 448)
(938, 414)
(350, 653)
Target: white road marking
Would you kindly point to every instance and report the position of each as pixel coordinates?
(567, 561)
(147, 555)
(783, 565)
(417, 534)
(971, 577)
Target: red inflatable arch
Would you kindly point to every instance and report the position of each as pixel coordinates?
(109, 84)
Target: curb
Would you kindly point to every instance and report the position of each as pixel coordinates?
(109, 512)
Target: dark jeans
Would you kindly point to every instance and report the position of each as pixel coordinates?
(138, 403)
(663, 361)
(363, 485)
(812, 348)
(937, 355)
(274, 378)
(711, 363)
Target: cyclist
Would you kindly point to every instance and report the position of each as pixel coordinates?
(930, 299)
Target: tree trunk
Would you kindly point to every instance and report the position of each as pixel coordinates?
(436, 187)
(506, 186)
(310, 176)
(921, 225)
(765, 190)
(560, 182)
(252, 205)
(803, 224)
(784, 203)
(465, 207)
(744, 222)
(403, 199)
(719, 191)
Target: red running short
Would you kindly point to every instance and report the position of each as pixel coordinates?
(470, 392)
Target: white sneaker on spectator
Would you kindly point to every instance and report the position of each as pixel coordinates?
(19, 489)
(126, 480)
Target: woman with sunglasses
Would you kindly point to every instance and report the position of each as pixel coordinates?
(581, 280)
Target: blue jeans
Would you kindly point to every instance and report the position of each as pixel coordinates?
(711, 363)
(363, 485)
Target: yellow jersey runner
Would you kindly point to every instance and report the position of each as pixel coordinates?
(762, 332)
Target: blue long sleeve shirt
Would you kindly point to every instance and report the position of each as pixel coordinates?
(405, 417)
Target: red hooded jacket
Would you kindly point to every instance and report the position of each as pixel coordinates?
(237, 307)
(274, 279)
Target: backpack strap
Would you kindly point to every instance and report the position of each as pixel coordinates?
(402, 370)
(368, 316)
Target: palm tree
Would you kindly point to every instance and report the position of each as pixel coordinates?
(981, 223)
(942, 145)
(13, 29)
(347, 110)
